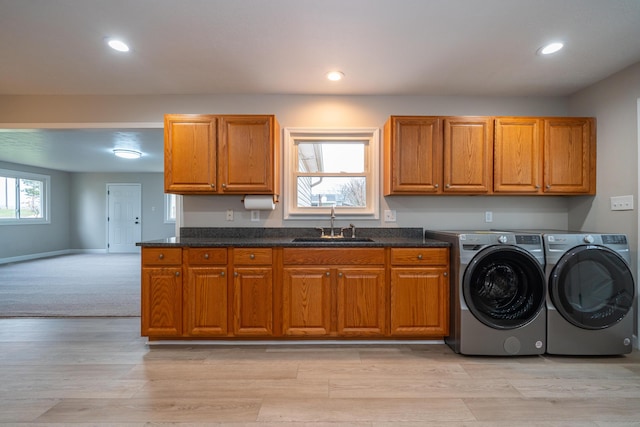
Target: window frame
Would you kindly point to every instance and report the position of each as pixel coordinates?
(45, 202)
(294, 136)
(168, 219)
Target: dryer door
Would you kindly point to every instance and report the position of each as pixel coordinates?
(504, 287)
(592, 287)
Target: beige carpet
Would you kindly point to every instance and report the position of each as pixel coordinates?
(78, 285)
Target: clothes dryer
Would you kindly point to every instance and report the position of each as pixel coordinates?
(497, 292)
(590, 293)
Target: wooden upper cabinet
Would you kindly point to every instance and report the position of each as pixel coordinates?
(545, 155)
(248, 154)
(207, 154)
(190, 153)
(413, 155)
(468, 154)
(569, 156)
(518, 155)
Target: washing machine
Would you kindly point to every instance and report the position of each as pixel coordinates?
(497, 292)
(590, 293)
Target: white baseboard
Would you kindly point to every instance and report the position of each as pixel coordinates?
(50, 254)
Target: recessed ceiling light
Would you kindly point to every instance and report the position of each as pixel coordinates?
(550, 48)
(118, 45)
(127, 154)
(335, 76)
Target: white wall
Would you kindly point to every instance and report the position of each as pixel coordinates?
(18, 240)
(318, 111)
(615, 102)
(89, 216)
(78, 214)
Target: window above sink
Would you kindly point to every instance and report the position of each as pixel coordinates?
(331, 167)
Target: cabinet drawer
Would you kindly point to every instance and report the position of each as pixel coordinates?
(252, 256)
(333, 256)
(207, 256)
(161, 256)
(419, 256)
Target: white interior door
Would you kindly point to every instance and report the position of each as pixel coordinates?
(124, 221)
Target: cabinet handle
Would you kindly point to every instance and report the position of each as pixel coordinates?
(161, 256)
(327, 274)
(213, 186)
(419, 256)
(206, 256)
(445, 274)
(222, 274)
(339, 274)
(537, 187)
(224, 185)
(548, 186)
(177, 274)
(448, 185)
(436, 186)
(252, 256)
(235, 274)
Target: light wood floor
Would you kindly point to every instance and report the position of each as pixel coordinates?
(99, 372)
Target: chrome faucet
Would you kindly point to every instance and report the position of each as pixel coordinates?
(333, 218)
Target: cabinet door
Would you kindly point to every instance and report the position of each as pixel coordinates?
(253, 301)
(413, 155)
(419, 302)
(161, 308)
(205, 297)
(189, 153)
(518, 155)
(306, 301)
(247, 149)
(361, 301)
(569, 155)
(468, 154)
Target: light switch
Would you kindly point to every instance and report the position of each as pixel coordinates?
(622, 203)
(389, 216)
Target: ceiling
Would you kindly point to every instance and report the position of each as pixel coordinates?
(384, 47)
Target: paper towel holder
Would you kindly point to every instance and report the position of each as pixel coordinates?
(276, 198)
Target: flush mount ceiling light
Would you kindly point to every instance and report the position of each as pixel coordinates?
(335, 76)
(118, 45)
(127, 154)
(550, 48)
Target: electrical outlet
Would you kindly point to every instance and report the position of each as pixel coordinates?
(488, 216)
(622, 203)
(389, 216)
(255, 216)
(229, 214)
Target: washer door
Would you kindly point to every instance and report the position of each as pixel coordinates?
(592, 287)
(504, 287)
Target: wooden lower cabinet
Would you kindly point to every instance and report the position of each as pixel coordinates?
(419, 292)
(206, 293)
(306, 301)
(418, 296)
(334, 292)
(161, 292)
(253, 292)
(295, 292)
(361, 301)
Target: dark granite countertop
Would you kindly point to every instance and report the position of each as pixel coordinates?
(284, 237)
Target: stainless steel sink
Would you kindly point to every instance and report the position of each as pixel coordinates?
(332, 239)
